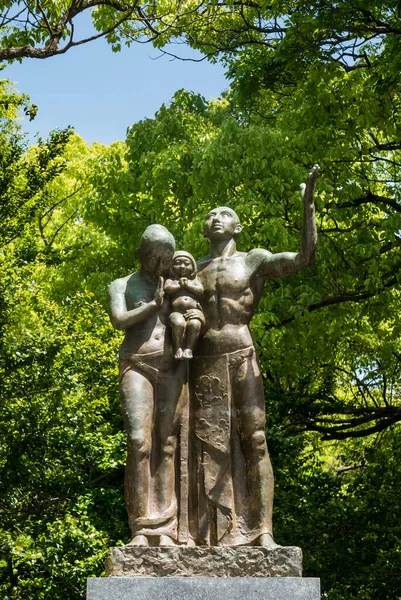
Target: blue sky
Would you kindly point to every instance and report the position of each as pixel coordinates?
(101, 93)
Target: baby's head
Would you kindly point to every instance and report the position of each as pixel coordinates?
(184, 265)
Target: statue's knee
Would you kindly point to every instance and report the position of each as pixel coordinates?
(177, 320)
(139, 446)
(194, 325)
(169, 446)
(258, 444)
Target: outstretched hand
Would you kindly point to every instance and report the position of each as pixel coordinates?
(308, 188)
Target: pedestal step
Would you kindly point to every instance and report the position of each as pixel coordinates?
(203, 588)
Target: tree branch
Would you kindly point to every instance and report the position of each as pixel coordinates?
(354, 296)
(340, 429)
(369, 198)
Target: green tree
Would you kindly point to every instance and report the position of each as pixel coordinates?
(62, 448)
(45, 29)
(22, 178)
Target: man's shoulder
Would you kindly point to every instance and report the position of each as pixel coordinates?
(258, 254)
(257, 258)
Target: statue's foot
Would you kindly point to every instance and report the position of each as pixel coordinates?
(139, 540)
(266, 540)
(179, 354)
(187, 353)
(166, 540)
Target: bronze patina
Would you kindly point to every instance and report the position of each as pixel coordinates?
(151, 385)
(185, 291)
(208, 413)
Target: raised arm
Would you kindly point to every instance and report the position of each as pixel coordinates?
(285, 263)
(120, 317)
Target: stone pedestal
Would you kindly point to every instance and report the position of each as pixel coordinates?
(203, 588)
(204, 573)
(215, 561)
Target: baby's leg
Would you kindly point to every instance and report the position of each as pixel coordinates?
(178, 327)
(192, 336)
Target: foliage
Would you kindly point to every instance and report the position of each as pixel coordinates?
(350, 35)
(342, 507)
(62, 440)
(23, 179)
(60, 431)
(44, 29)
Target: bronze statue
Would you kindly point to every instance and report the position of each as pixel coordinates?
(233, 501)
(151, 390)
(229, 497)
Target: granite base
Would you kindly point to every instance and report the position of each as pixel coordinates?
(203, 588)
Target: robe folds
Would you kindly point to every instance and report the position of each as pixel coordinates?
(222, 500)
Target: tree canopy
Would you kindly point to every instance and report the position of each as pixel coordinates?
(347, 33)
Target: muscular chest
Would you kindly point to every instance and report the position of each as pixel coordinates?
(225, 277)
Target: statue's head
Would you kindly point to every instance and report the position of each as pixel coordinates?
(184, 265)
(156, 249)
(221, 224)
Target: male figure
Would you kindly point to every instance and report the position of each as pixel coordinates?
(233, 501)
(151, 383)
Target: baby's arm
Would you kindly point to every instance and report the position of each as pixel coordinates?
(171, 287)
(195, 287)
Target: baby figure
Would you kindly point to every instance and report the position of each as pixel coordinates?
(184, 290)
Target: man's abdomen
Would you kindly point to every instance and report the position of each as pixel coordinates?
(227, 339)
